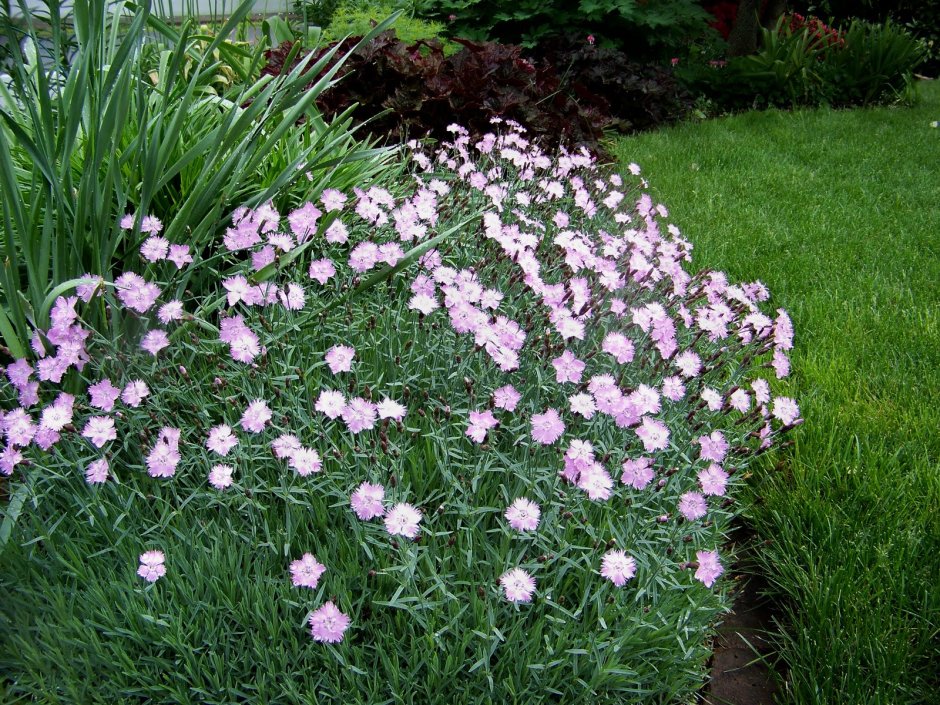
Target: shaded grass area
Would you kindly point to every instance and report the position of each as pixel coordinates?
(839, 214)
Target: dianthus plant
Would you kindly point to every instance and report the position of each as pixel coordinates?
(471, 437)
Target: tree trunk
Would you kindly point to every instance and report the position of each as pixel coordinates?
(752, 15)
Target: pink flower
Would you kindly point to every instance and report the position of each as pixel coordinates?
(367, 500)
(321, 270)
(618, 567)
(155, 341)
(152, 566)
(619, 346)
(568, 368)
(654, 434)
(480, 423)
(688, 363)
(709, 567)
(96, 472)
(359, 415)
(179, 255)
(337, 233)
(582, 404)
(306, 571)
(154, 249)
(99, 430)
(135, 292)
(547, 427)
(220, 476)
(403, 520)
(523, 515)
(221, 440)
(332, 199)
(328, 624)
(285, 445)
(134, 393)
(595, 480)
(292, 297)
(104, 394)
(714, 447)
(518, 585)
(780, 363)
(740, 401)
(389, 409)
(263, 257)
(506, 398)
(340, 358)
(786, 410)
(163, 459)
(331, 403)
(713, 480)
(305, 461)
(303, 221)
(692, 506)
(256, 416)
(151, 224)
(423, 303)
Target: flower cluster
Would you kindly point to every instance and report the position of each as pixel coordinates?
(550, 380)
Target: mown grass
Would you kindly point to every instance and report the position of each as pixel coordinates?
(837, 212)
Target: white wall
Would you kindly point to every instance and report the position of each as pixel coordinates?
(209, 8)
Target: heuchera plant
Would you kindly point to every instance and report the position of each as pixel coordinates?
(486, 414)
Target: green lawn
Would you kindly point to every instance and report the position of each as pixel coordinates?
(839, 214)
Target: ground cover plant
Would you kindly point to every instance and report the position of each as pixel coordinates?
(836, 212)
(469, 434)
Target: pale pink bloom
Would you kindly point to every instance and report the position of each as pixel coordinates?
(619, 346)
(285, 445)
(518, 585)
(423, 303)
(328, 624)
(305, 461)
(10, 457)
(263, 257)
(170, 311)
(523, 515)
(713, 480)
(781, 364)
(282, 241)
(714, 446)
(547, 427)
(786, 410)
(761, 390)
(321, 270)
(163, 460)
(127, 221)
(19, 372)
(712, 399)
(692, 506)
(337, 233)
(654, 434)
(331, 403)
(179, 255)
(359, 415)
(490, 299)
(135, 392)
(506, 398)
(740, 401)
(332, 199)
(480, 423)
(221, 440)
(306, 571)
(292, 297)
(596, 482)
(96, 472)
(256, 416)
(86, 291)
(99, 430)
(104, 394)
(364, 257)
(403, 520)
(152, 566)
(19, 427)
(709, 567)
(155, 341)
(239, 289)
(303, 220)
(783, 331)
(390, 409)
(582, 404)
(154, 249)
(135, 292)
(391, 253)
(367, 500)
(618, 567)
(688, 363)
(220, 476)
(568, 368)
(55, 417)
(339, 358)
(151, 224)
